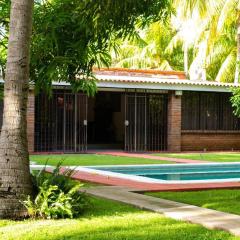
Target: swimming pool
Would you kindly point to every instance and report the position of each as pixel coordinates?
(172, 173)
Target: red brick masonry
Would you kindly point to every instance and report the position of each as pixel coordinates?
(30, 121)
(174, 123)
(210, 141)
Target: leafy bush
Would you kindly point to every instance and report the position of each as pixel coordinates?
(235, 100)
(56, 196)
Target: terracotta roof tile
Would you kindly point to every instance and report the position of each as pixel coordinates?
(151, 76)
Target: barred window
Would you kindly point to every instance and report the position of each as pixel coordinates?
(208, 111)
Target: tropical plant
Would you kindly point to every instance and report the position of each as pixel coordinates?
(235, 100)
(52, 202)
(56, 195)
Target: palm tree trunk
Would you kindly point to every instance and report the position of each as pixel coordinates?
(186, 59)
(237, 72)
(15, 181)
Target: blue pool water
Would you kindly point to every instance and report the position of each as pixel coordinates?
(180, 172)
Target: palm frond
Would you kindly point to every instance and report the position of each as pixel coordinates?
(227, 69)
(227, 14)
(165, 66)
(175, 41)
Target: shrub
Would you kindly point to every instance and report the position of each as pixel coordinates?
(56, 196)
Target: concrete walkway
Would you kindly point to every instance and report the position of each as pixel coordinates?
(148, 156)
(206, 217)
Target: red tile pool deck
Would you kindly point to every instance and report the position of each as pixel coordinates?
(147, 156)
(136, 155)
(141, 186)
(114, 181)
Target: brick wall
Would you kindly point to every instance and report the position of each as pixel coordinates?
(177, 140)
(30, 121)
(210, 141)
(174, 122)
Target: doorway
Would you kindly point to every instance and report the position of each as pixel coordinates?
(61, 122)
(146, 122)
(106, 121)
(72, 122)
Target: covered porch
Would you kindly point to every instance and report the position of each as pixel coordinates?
(130, 120)
(135, 111)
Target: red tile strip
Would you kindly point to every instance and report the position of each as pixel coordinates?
(106, 180)
(148, 156)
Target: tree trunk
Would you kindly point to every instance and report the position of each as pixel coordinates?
(15, 181)
(186, 59)
(237, 72)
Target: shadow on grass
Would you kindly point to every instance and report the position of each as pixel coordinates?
(145, 226)
(100, 207)
(109, 220)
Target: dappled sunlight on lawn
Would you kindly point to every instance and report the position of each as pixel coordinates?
(222, 200)
(110, 220)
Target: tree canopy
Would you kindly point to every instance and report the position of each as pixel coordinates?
(151, 49)
(69, 37)
(204, 30)
(4, 21)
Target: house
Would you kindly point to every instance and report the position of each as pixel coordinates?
(135, 110)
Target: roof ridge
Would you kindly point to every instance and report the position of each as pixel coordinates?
(147, 71)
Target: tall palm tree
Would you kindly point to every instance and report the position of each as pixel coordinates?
(237, 72)
(223, 18)
(149, 50)
(14, 161)
(188, 31)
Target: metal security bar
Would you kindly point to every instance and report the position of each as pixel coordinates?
(146, 122)
(61, 122)
(157, 122)
(208, 111)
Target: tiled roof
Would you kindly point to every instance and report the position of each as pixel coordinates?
(151, 76)
(140, 73)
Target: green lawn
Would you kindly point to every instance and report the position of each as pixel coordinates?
(108, 220)
(214, 157)
(222, 200)
(91, 159)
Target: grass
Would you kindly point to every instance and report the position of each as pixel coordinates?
(110, 220)
(222, 200)
(91, 159)
(212, 157)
